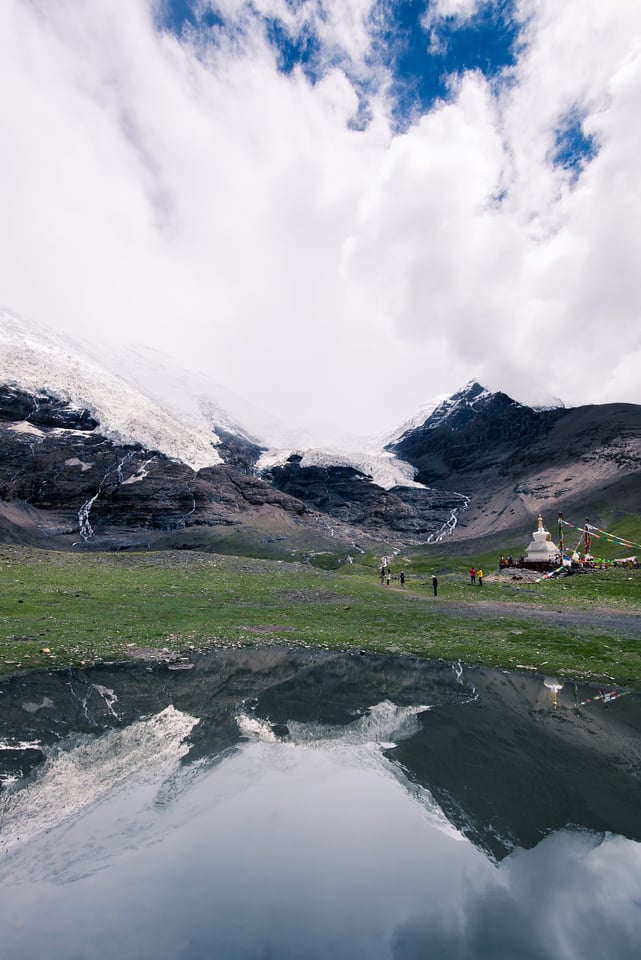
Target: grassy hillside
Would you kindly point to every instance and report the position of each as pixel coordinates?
(59, 609)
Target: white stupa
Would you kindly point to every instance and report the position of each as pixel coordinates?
(542, 548)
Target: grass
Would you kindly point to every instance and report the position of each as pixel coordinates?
(61, 609)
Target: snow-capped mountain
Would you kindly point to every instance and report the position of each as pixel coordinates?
(462, 406)
(455, 410)
(116, 449)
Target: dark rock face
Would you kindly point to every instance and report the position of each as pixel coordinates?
(237, 451)
(42, 410)
(350, 496)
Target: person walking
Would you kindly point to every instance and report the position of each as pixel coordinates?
(402, 578)
(479, 574)
(472, 575)
(435, 584)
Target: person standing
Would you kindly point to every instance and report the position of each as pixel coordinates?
(479, 574)
(472, 575)
(435, 584)
(402, 578)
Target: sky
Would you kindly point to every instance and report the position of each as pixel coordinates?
(336, 209)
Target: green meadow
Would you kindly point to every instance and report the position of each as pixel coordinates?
(64, 609)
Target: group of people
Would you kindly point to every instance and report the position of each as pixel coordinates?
(386, 576)
(476, 576)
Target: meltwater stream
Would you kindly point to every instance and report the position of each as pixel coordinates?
(277, 804)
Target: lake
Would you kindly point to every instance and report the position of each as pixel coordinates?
(277, 803)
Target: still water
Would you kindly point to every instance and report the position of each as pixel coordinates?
(276, 804)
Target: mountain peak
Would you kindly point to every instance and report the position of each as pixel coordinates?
(470, 397)
(458, 409)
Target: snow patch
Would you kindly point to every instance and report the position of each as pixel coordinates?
(185, 392)
(77, 462)
(555, 403)
(140, 474)
(384, 469)
(25, 427)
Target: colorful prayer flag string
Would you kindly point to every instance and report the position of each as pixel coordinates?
(603, 535)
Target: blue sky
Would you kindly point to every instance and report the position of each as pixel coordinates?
(420, 57)
(338, 209)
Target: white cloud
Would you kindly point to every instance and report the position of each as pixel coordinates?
(461, 9)
(346, 24)
(159, 190)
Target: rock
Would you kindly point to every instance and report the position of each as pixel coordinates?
(42, 410)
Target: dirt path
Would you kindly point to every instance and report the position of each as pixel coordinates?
(600, 620)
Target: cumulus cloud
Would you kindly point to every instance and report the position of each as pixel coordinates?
(185, 190)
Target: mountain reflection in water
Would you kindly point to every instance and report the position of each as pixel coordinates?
(281, 804)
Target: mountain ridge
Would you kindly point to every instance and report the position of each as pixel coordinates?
(514, 461)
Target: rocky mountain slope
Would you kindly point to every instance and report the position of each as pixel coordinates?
(94, 456)
(63, 483)
(514, 462)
